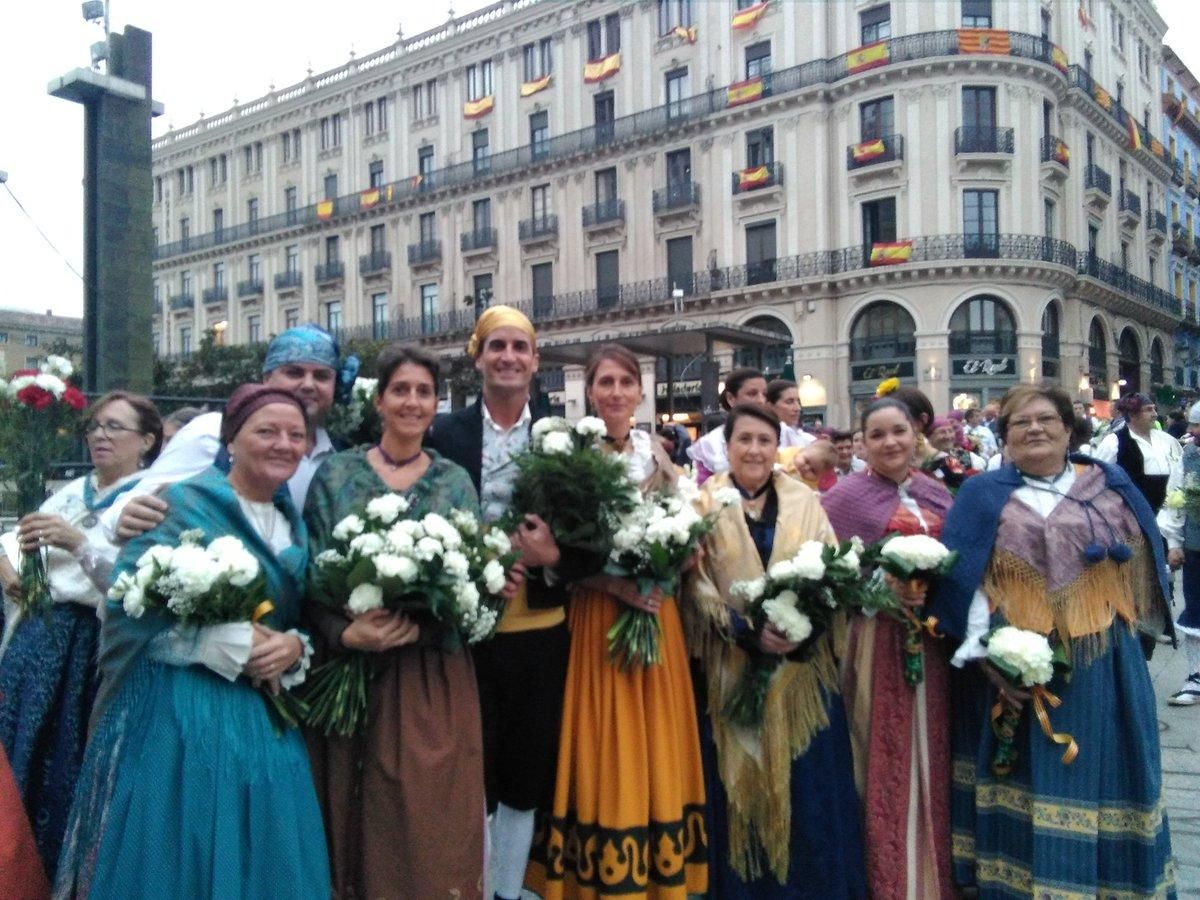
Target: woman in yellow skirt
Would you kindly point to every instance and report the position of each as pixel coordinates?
(628, 814)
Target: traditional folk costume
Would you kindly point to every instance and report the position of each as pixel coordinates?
(22, 875)
(783, 819)
(1181, 527)
(900, 734)
(1095, 826)
(628, 813)
(403, 801)
(1147, 461)
(187, 789)
(48, 676)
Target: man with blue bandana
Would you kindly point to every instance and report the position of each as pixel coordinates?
(304, 360)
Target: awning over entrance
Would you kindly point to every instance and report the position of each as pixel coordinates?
(690, 339)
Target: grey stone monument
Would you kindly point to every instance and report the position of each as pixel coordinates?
(118, 239)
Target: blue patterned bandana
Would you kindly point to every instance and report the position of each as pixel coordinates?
(308, 344)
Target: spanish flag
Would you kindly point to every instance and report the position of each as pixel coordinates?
(1058, 59)
(748, 17)
(473, 109)
(1135, 133)
(415, 181)
(688, 34)
(744, 92)
(529, 88)
(368, 198)
(869, 56)
(602, 68)
(1102, 96)
(324, 209)
(890, 254)
(1062, 153)
(983, 40)
(868, 150)
(752, 178)
(1156, 148)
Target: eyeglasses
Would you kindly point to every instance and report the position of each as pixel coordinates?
(111, 429)
(1046, 423)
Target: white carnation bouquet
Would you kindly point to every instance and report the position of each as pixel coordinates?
(199, 584)
(799, 598)
(1028, 661)
(356, 421)
(447, 571)
(909, 558)
(651, 545)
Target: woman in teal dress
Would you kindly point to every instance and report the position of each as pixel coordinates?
(187, 789)
(404, 799)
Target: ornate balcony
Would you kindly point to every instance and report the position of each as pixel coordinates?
(251, 287)
(334, 270)
(481, 240)
(682, 198)
(1097, 187)
(181, 302)
(983, 139)
(376, 263)
(290, 280)
(875, 153)
(214, 295)
(604, 214)
(425, 253)
(538, 229)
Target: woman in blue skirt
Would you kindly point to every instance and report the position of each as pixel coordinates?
(188, 789)
(1068, 549)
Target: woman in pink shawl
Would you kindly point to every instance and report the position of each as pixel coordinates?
(899, 732)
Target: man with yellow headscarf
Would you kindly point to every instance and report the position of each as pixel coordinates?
(522, 670)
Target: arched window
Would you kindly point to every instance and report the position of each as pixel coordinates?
(1098, 359)
(1129, 362)
(982, 325)
(1158, 364)
(884, 330)
(770, 358)
(1050, 341)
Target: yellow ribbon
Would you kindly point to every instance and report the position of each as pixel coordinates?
(1041, 697)
(928, 624)
(262, 610)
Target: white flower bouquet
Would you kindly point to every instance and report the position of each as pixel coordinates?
(356, 421)
(1186, 497)
(199, 584)
(651, 545)
(799, 598)
(1029, 661)
(910, 558)
(447, 571)
(580, 492)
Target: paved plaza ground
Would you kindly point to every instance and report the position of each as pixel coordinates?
(1179, 729)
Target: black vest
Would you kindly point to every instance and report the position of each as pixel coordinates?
(1129, 458)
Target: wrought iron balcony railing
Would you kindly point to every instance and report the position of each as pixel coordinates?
(603, 212)
(182, 301)
(288, 280)
(676, 196)
(756, 177)
(251, 287)
(377, 261)
(538, 228)
(424, 252)
(1096, 179)
(334, 270)
(479, 239)
(983, 139)
(884, 149)
(217, 294)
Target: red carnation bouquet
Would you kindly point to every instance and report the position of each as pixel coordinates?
(39, 412)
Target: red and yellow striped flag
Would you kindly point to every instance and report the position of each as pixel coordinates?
(866, 151)
(529, 88)
(688, 34)
(743, 92)
(602, 68)
(748, 17)
(983, 40)
(1135, 133)
(1103, 97)
(473, 109)
(1062, 153)
(752, 178)
(889, 254)
(368, 198)
(324, 209)
(1156, 148)
(415, 181)
(869, 56)
(1058, 59)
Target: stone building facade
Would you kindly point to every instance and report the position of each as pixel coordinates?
(961, 193)
(26, 337)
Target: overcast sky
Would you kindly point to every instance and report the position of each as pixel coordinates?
(205, 54)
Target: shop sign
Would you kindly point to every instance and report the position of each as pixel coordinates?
(881, 371)
(985, 367)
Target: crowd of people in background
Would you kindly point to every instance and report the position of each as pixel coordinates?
(146, 764)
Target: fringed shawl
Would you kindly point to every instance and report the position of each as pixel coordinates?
(755, 767)
(862, 504)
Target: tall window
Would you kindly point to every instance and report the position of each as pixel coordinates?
(483, 291)
(185, 229)
(760, 147)
(539, 134)
(289, 204)
(879, 221)
(429, 308)
(375, 174)
(333, 316)
(291, 318)
(677, 92)
(674, 14)
(539, 200)
(758, 59)
(218, 276)
(333, 251)
(425, 159)
(252, 211)
(1048, 217)
(543, 288)
(292, 259)
(537, 59)
(875, 23)
(218, 217)
(877, 118)
(982, 325)
(481, 215)
(480, 151)
(679, 169)
(604, 36)
(981, 222)
(254, 329)
(760, 253)
(679, 264)
(185, 340)
(608, 279)
(1046, 24)
(606, 185)
(254, 268)
(979, 107)
(603, 110)
(379, 239)
(479, 80)
(977, 13)
(379, 316)
(331, 131)
(331, 186)
(427, 227)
